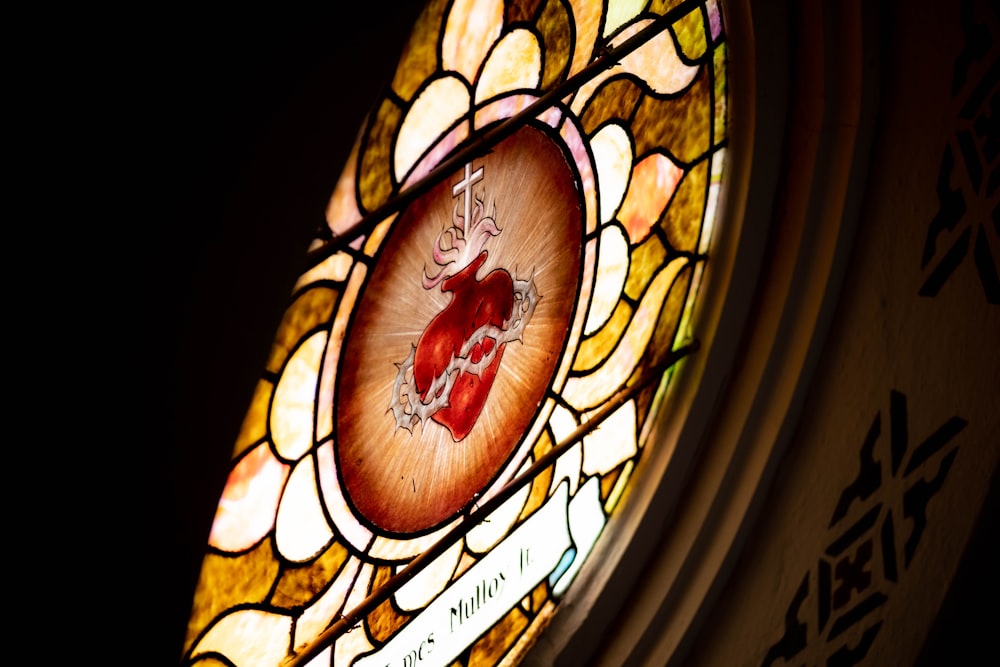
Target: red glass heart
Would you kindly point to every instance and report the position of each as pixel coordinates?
(473, 304)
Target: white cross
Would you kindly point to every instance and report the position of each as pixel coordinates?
(466, 185)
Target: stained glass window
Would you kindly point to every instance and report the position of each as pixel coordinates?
(467, 374)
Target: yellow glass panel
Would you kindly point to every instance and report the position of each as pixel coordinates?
(335, 267)
(249, 638)
(495, 643)
(540, 484)
(249, 500)
(615, 100)
(680, 125)
(594, 350)
(377, 235)
(663, 6)
(473, 26)
(613, 162)
(646, 259)
(515, 63)
(670, 315)
(611, 443)
(615, 495)
(654, 180)
(426, 584)
(418, 60)
(436, 109)
(587, 19)
(375, 176)
(538, 597)
(384, 621)
(310, 308)
(608, 484)
(682, 221)
(299, 585)
(612, 269)
(321, 611)
(584, 393)
(254, 426)
(621, 12)
(553, 25)
(690, 31)
(226, 581)
(301, 530)
(292, 410)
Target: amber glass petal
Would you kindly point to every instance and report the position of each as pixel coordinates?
(646, 260)
(226, 581)
(310, 309)
(375, 171)
(680, 125)
(554, 27)
(419, 60)
(682, 220)
(615, 100)
(297, 586)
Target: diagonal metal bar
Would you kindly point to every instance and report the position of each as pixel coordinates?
(482, 143)
(347, 621)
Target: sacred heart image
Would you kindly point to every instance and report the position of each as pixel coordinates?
(451, 370)
(462, 324)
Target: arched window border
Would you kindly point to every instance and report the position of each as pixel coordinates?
(803, 92)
